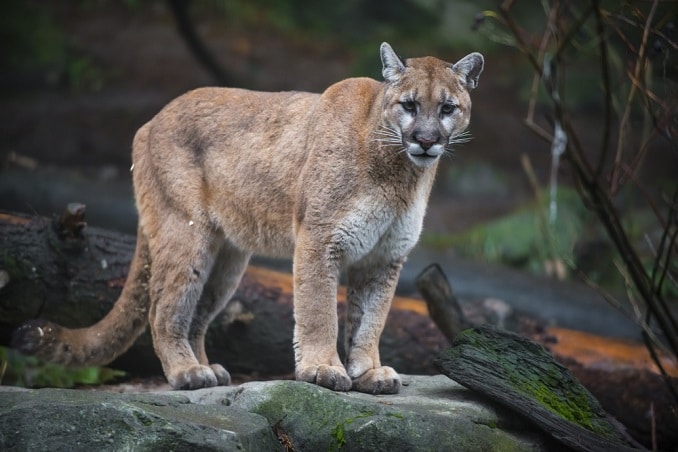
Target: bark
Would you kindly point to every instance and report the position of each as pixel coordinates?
(442, 304)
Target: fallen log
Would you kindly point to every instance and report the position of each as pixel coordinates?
(523, 376)
(63, 271)
(619, 373)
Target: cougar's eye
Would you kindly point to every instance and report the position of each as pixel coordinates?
(409, 106)
(448, 109)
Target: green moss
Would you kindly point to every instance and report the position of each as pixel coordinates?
(293, 402)
(14, 267)
(143, 418)
(315, 418)
(339, 432)
(541, 380)
(339, 435)
(563, 397)
(572, 408)
(8, 261)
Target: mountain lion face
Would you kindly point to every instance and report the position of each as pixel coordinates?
(427, 106)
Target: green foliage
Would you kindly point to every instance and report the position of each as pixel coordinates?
(30, 37)
(410, 25)
(83, 73)
(525, 238)
(28, 371)
(35, 47)
(349, 21)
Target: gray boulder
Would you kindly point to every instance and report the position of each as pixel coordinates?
(71, 420)
(430, 414)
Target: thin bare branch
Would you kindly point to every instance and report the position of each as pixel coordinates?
(545, 39)
(505, 11)
(607, 90)
(646, 288)
(670, 42)
(615, 180)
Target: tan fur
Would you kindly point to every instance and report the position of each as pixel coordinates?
(338, 180)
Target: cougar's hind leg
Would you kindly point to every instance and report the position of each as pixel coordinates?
(183, 252)
(228, 268)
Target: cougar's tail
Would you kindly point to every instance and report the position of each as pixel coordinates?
(100, 343)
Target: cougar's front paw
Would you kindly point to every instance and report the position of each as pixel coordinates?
(223, 377)
(380, 380)
(193, 377)
(332, 377)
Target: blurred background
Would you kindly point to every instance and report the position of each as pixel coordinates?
(78, 78)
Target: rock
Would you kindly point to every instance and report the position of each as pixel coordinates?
(430, 413)
(67, 420)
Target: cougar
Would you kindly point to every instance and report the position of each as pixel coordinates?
(338, 181)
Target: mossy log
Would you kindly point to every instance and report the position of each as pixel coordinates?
(523, 376)
(620, 373)
(64, 271)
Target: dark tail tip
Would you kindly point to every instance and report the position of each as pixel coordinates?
(34, 336)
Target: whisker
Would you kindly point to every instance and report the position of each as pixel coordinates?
(449, 153)
(461, 138)
(387, 136)
(388, 140)
(386, 130)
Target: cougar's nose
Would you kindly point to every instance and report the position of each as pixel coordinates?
(426, 141)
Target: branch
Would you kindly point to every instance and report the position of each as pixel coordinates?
(179, 9)
(605, 69)
(640, 64)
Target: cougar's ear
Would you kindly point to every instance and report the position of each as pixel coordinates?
(470, 67)
(393, 66)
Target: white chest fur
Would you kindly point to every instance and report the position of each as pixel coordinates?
(378, 231)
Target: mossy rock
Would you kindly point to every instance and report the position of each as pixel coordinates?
(431, 413)
(67, 420)
(523, 376)
(428, 415)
